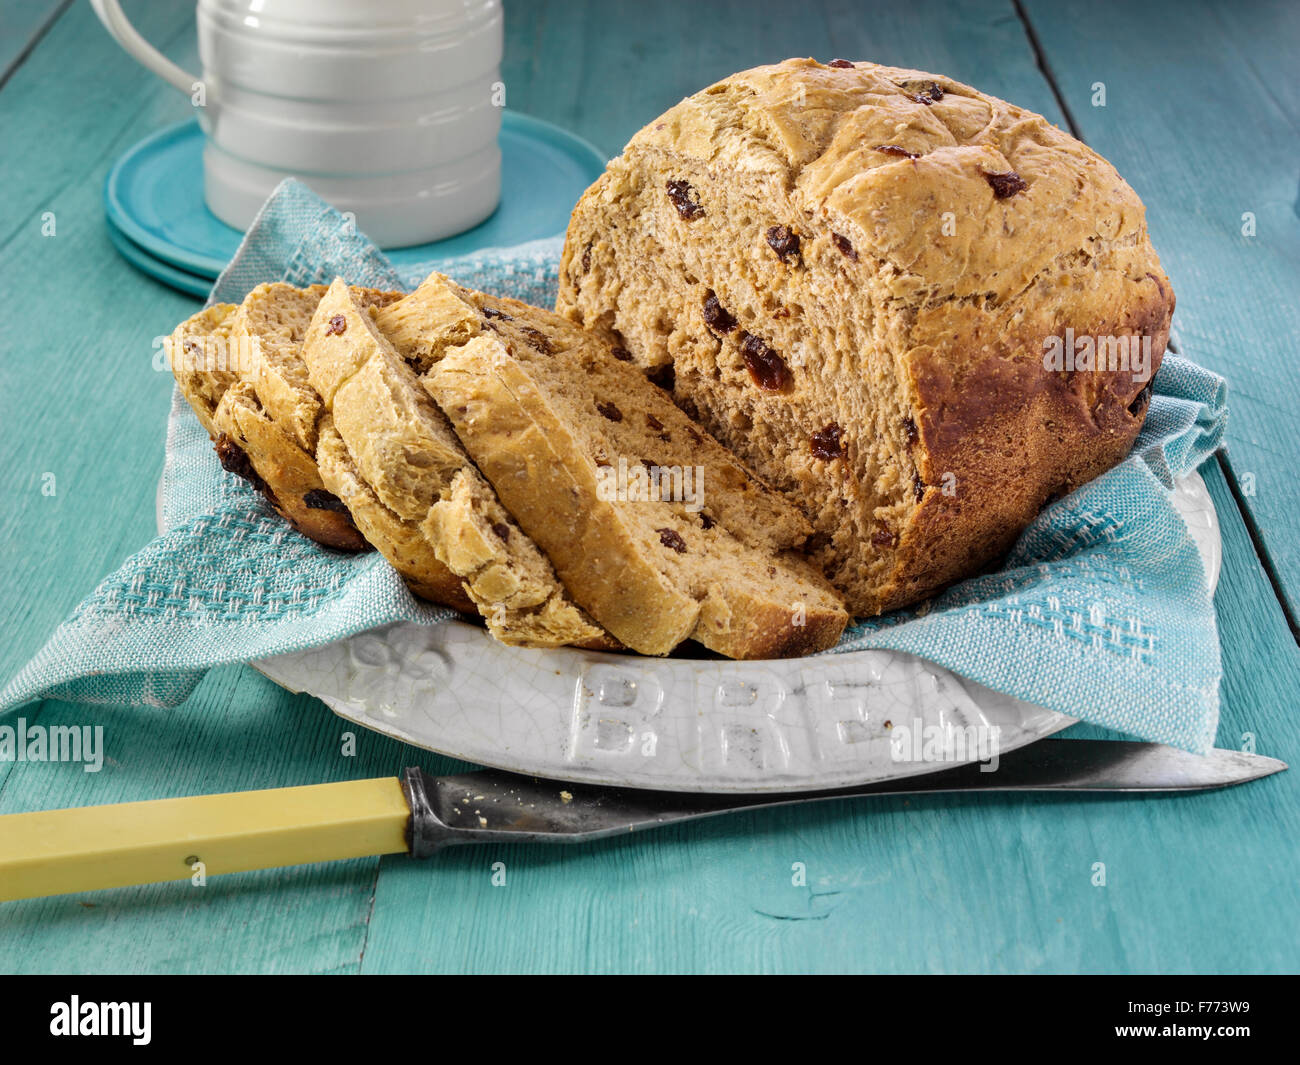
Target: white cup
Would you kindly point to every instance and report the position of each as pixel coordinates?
(388, 109)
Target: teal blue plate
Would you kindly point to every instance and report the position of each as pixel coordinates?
(194, 284)
(153, 195)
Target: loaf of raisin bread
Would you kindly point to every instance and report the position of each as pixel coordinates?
(392, 458)
(859, 278)
(653, 526)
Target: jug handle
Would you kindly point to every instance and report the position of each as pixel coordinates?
(110, 14)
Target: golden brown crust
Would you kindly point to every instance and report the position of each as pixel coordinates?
(906, 246)
(816, 132)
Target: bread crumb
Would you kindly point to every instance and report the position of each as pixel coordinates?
(566, 797)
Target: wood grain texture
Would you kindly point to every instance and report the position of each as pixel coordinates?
(1201, 117)
(604, 68)
(999, 884)
(79, 398)
(237, 732)
(21, 24)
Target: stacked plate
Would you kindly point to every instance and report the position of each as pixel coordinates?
(153, 200)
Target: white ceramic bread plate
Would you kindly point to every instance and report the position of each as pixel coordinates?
(674, 723)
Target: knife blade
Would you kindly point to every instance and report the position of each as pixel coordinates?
(89, 848)
(493, 806)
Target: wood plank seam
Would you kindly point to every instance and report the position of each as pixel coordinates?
(1040, 59)
(1256, 541)
(36, 709)
(36, 39)
(370, 913)
(1252, 529)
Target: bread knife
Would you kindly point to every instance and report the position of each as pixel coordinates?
(89, 848)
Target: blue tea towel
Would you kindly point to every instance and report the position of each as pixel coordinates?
(1101, 611)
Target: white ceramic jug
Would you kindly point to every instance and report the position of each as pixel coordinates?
(389, 109)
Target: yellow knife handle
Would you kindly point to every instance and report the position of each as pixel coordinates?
(52, 852)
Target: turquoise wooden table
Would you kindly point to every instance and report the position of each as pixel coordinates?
(1200, 114)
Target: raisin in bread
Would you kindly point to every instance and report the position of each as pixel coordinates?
(391, 457)
(853, 274)
(653, 527)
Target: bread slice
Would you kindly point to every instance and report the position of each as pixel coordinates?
(213, 369)
(427, 507)
(214, 372)
(228, 358)
(651, 425)
(277, 315)
(431, 319)
(400, 542)
(199, 353)
(571, 437)
(281, 470)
